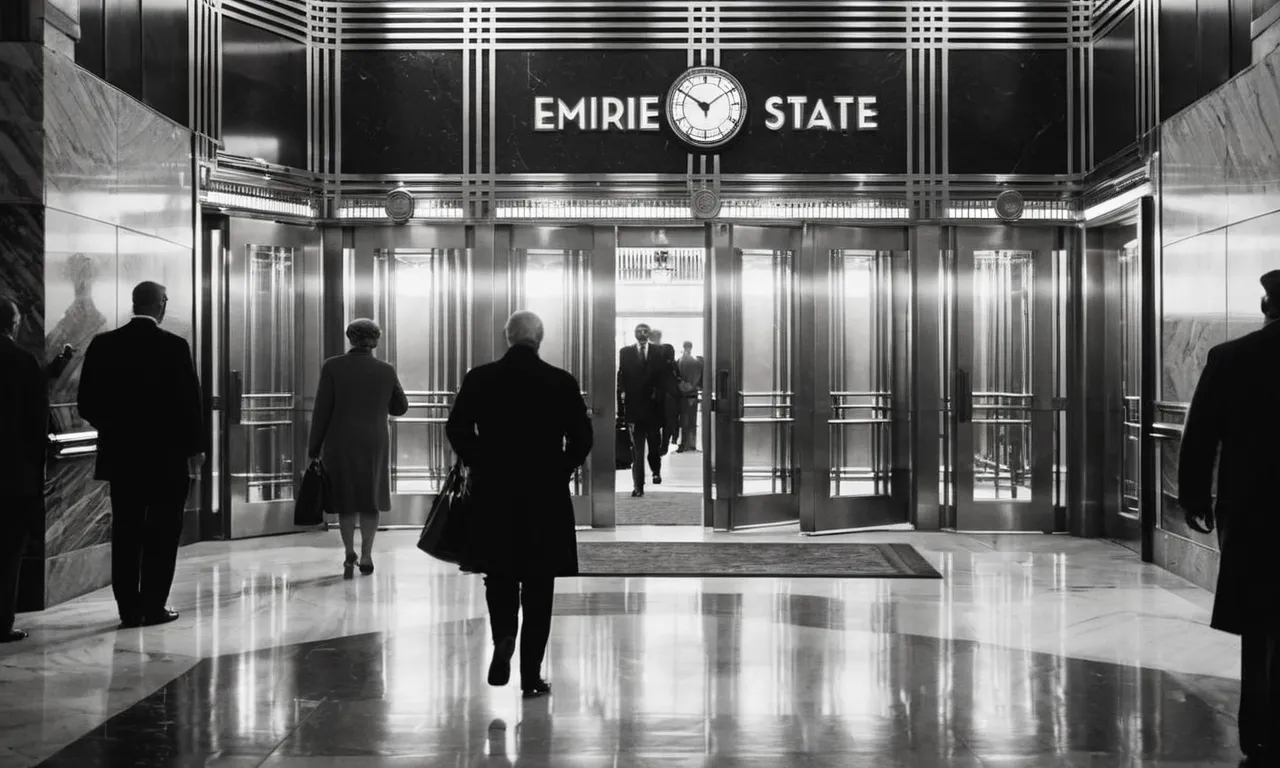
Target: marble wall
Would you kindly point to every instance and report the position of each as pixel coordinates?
(95, 196)
(1220, 210)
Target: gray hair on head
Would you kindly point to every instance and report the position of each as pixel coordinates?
(363, 333)
(525, 328)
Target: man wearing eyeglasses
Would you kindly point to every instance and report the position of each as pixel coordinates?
(139, 389)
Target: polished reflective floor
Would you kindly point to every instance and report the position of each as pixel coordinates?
(1031, 651)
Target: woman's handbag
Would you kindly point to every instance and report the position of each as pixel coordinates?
(444, 535)
(313, 496)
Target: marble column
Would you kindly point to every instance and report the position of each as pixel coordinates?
(95, 195)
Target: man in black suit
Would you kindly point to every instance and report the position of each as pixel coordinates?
(138, 388)
(1235, 418)
(521, 428)
(24, 417)
(640, 399)
(669, 384)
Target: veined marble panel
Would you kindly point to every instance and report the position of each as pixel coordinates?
(1194, 284)
(1251, 253)
(1193, 170)
(81, 161)
(80, 298)
(1250, 112)
(22, 243)
(150, 258)
(21, 123)
(77, 508)
(76, 573)
(153, 191)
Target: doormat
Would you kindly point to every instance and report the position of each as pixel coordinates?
(659, 508)
(833, 560)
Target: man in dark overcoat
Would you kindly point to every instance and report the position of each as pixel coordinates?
(640, 400)
(139, 389)
(1235, 418)
(24, 413)
(521, 428)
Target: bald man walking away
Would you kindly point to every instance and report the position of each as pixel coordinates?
(139, 389)
(521, 428)
(1235, 419)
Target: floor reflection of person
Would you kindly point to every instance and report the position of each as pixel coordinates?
(668, 384)
(139, 389)
(24, 413)
(640, 400)
(689, 369)
(1235, 419)
(349, 435)
(520, 426)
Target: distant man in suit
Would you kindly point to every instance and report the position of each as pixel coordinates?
(520, 426)
(1235, 418)
(640, 399)
(668, 383)
(690, 370)
(24, 416)
(138, 388)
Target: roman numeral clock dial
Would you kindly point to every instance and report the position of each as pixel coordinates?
(706, 107)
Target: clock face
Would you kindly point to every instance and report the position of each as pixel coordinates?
(706, 107)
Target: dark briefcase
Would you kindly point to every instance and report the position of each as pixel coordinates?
(621, 446)
(313, 496)
(444, 535)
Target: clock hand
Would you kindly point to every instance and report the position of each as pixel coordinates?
(721, 96)
(705, 106)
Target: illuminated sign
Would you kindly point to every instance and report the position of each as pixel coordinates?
(705, 107)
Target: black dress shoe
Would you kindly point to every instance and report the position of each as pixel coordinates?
(130, 622)
(657, 479)
(536, 689)
(637, 493)
(162, 616)
(500, 667)
(349, 566)
(13, 636)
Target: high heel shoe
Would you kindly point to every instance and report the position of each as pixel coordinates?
(366, 568)
(349, 567)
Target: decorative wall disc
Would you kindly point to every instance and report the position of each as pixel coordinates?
(1009, 205)
(705, 204)
(399, 205)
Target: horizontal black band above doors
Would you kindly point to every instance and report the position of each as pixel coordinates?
(569, 111)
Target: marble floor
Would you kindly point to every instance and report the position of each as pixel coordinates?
(1031, 651)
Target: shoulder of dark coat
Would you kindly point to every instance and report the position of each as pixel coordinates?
(560, 376)
(174, 340)
(1262, 340)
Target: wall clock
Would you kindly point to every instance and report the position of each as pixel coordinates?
(706, 107)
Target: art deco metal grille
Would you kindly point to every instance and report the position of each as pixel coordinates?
(927, 31)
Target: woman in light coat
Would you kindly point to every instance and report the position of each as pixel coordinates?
(349, 436)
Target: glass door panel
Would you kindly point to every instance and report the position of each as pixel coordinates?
(859, 441)
(1131, 382)
(1007, 341)
(565, 275)
(264, 416)
(755, 332)
(556, 286)
(421, 299)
